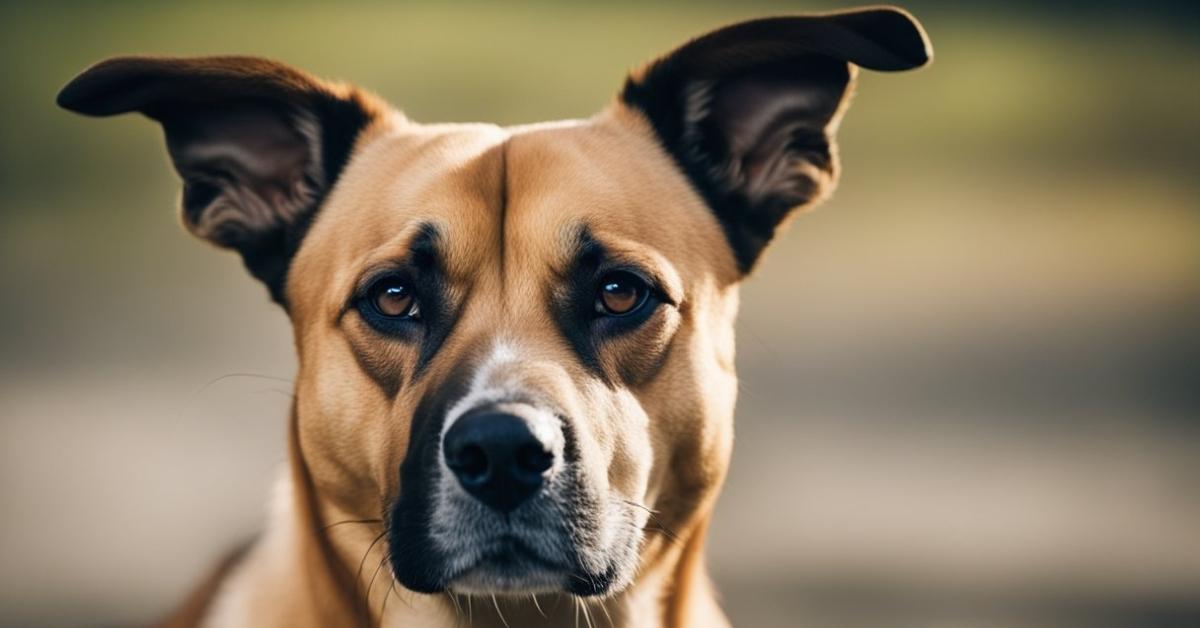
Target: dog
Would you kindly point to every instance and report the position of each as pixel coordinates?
(515, 394)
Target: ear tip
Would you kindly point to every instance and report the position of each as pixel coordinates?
(130, 83)
(906, 36)
(74, 97)
(85, 94)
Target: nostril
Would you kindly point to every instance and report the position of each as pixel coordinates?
(497, 458)
(470, 463)
(534, 459)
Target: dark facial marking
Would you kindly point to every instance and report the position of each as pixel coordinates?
(573, 302)
(423, 271)
(585, 523)
(416, 561)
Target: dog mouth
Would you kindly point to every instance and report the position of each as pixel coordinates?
(510, 565)
(506, 565)
(520, 555)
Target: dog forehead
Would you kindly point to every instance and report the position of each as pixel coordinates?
(512, 198)
(609, 176)
(403, 177)
(448, 176)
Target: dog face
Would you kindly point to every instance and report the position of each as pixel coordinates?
(563, 353)
(516, 344)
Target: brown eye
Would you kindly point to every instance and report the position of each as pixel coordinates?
(620, 294)
(394, 299)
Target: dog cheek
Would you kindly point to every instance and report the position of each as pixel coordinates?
(632, 449)
(637, 358)
(343, 418)
(382, 363)
(691, 430)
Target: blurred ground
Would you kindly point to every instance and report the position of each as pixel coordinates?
(971, 382)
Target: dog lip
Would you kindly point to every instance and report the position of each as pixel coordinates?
(509, 549)
(511, 563)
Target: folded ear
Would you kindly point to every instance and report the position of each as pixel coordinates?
(749, 111)
(257, 143)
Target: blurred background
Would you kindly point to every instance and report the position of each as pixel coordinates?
(971, 381)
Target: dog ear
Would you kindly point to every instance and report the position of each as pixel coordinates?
(749, 111)
(257, 143)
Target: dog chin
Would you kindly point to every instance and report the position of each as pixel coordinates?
(538, 548)
(515, 569)
(510, 567)
(503, 580)
(495, 579)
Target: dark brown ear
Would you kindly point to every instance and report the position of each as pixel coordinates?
(749, 111)
(257, 143)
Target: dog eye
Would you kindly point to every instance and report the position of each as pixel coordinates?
(393, 298)
(621, 294)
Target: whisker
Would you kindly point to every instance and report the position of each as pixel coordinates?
(192, 400)
(221, 378)
(363, 562)
(604, 607)
(286, 393)
(642, 506)
(665, 531)
(659, 526)
(587, 615)
(386, 596)
(399, 595)
(370, 586)
(457, 608)
(364, 521)
(497, 605)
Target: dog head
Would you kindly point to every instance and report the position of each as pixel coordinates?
(515, 344)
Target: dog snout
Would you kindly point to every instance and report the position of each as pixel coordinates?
(497, 457)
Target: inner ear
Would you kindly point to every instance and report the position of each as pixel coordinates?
(257, 143)
(254, 159)
(764, 141)
(749, 111)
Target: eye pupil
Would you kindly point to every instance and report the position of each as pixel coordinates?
(393, 299)
(620, 294)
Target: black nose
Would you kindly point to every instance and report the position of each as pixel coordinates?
(497, 458)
